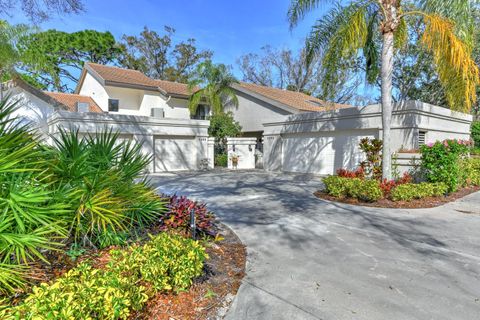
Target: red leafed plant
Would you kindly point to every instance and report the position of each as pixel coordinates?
(178, 216)
(358, 173)
(388, 185)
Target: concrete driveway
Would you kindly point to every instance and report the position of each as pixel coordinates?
(312, 259)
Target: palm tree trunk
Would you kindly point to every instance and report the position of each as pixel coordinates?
(387, 103)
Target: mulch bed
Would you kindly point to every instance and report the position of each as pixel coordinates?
(208, 298)
(429, 202)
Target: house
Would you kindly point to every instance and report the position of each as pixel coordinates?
(125, 91)
(259, 104)
(322, 142)
(35, 106)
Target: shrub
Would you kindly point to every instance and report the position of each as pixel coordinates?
(373, 151)
(100, 177)
(132, 276)
(365, 190)
(475, 131)
(469, 172)
(388, 185)
(410, 191)
(178, 216)
(221, 160)
(440, 161)
(358, 173)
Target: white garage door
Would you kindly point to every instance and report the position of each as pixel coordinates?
(174, 153)
(322, 154)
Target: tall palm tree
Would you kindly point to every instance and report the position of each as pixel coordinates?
(376, 28)
(213, 82)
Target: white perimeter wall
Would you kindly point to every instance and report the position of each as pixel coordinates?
(322, 142)
(174, 144)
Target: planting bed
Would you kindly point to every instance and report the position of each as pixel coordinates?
(428, 202)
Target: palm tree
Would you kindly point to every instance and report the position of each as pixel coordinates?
(376, 28)
(213, 82)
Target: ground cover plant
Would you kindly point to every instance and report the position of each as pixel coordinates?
(132, 276)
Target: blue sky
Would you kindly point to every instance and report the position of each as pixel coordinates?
(229, 28)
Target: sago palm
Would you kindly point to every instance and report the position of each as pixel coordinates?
(214, 82)
(376, 28)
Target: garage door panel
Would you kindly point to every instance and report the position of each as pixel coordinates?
(174, 154)
(321, 154)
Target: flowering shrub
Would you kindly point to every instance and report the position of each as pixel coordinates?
(178, 216)
(440, 161)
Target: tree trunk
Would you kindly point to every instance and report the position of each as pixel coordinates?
(387, 104)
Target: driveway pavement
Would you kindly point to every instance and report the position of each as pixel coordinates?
(313, 259)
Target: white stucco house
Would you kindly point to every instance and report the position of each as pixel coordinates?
(295, 132)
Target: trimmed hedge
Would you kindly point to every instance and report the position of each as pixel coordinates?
(365, 190)
(166, 262)
(469, 172)
(410, 191)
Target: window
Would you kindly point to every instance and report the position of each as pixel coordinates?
(421, 138)
(112, 105)
(83, 107)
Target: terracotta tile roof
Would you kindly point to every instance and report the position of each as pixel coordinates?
(296, 100)
(120, 75)
(174, 88)
(70, 101)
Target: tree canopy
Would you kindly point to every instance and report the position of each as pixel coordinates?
(159, 57)
(52, 59)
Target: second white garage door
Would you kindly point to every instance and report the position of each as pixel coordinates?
(174, 153)
(322, 154)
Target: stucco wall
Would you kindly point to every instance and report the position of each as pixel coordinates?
(251, 113)
(134, 101)
(31, 109)
(323, 142)
(175, 144)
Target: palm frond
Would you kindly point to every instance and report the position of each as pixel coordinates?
(457, 11)
(350, 35)
(299, 8)
(456, 69)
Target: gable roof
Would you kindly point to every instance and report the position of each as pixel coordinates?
(291, 99)
(119, 76)
(70, 100)
(115, 76)
(174, 88)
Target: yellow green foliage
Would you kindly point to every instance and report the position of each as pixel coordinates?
(410, 191)
(365, 190)
(133, 275)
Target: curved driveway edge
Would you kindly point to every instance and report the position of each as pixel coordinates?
(313, 259)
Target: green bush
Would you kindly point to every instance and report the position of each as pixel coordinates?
(365, 190)
(469, 172)
(221, 160)
(475, 131)
(440, 161)
(410, 191)
(132, 276)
